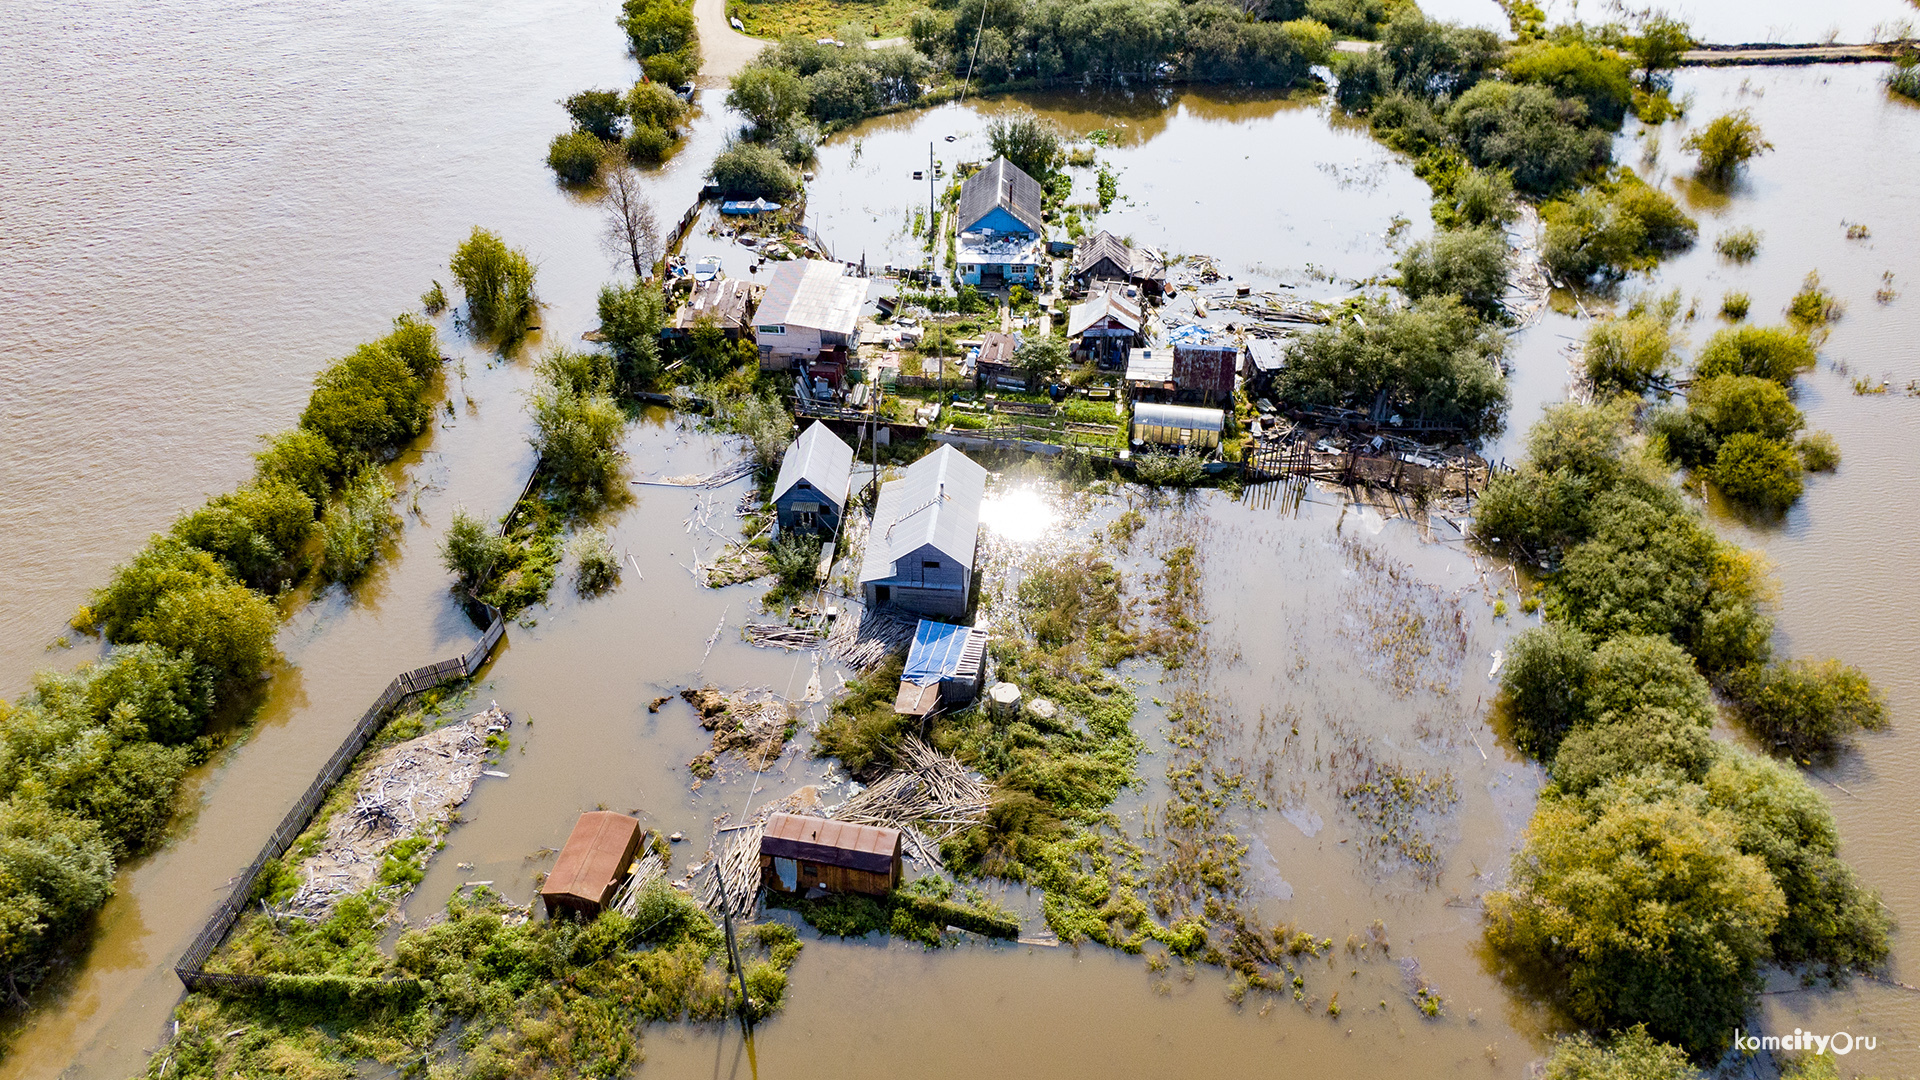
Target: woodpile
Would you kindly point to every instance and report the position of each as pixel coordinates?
(648, 869)
(929, 798)
(865, 643)
(711, 480)
(409, 789)
(734, 870)
(784, 636)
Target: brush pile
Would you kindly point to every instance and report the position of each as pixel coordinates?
(752, 723)
(409, 789)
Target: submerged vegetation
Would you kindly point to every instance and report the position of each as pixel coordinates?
(498, 281)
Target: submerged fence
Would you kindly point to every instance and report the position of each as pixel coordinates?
(402, 687)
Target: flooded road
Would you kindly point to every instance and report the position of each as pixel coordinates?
(205, 203)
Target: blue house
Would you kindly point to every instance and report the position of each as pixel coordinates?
(1001, 233)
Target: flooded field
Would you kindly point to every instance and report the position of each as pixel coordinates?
(183, 267)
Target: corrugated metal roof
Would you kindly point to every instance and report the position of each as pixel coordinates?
(997, 348)
(837, 843)
(1266, 354)
(1150, 365)
(820, 458)
(1103, 245)
(1205, 367)
(1099, 306)
(1179, 416)
(935, 652)
(936, 503)
(593, 858)
(1001, 183)
(812, 293)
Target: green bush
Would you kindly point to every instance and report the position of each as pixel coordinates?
(1435, 362)
(861, 729)
(177, 596)
(577, 426)
(1351, 18)
(668, 69)
(254, 530)
(360, 519)
(771, 97)
(1470, 264)
(1158, 468)
(1735, 305)
(1629, 355)
(1545, 683)
(575, 157)
(748, 170)
(1598, 78)
(302, 457)
(1805, 707)
(1030, 141)
(55, 869)
(1612, 229)
(1727, 143)
(366, 405)
(498, 282)
(658, 26)
(1904, 80)
(596, 113)
(1812, 307)
(1819, 452)
(1757, 471)
(1482, 197)
(650, 104)
(1630, 1055)
(597, 565)
(1770, 352)
(648, 145)
(1730, 404)
(471, 549)
(1542, 140)
(631, 317)
(1650, 740)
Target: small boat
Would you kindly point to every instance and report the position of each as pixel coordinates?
(757, 206)
(707, 269)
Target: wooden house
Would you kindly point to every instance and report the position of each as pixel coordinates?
(1106, 326)
(945, 666)
(1205, 374)
(1104, 257)
(1000, 229)
(798, 854)
(810, 307)
(925, 526)
(995, 370)
(596, 858)
(811, 491)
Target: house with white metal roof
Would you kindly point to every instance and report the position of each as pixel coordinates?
(809, 307)
(811, 491)
(925, 526)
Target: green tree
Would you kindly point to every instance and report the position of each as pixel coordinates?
(1613, 228)
(220, 622)
(1542, 140)
(650, 104)
(577, 434)
(55, 869)
(1727, 143)
(1028, 140)
(359, 520)
(1041, 357)
(1634, 905)
(749, 170)
(254, 530)
(1630, 1055)
(1629, 355)
(657, 26)
(765, 425)
(1435, 361)
(365, 405)
(1648, 740)
(769, 97)
(1729, 404)
(470, 549)
(1470, 264)
(1804, 707)
(1545, 684)
(631, 317)
(1656, 45)
(1598, 78)
(575, 157)
(595, 112)
(498, 282)
(302, 457)
(1758, 471)
(1770, 352)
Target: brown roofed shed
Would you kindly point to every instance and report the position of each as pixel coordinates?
(798, 852)
(592, 863)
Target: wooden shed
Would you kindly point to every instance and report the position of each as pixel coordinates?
(591, 866)
(811, 490)
(995, 370)
(945, 665)
(798, 853)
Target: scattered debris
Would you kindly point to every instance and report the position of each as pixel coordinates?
(754, 723)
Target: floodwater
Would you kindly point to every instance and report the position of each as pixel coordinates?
(205, 202)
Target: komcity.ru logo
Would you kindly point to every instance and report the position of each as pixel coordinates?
(1837, 1043)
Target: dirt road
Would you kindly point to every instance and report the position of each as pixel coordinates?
(724, 50)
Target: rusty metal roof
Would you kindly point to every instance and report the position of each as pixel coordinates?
(1206, 367)
(836, 843)
(997, 348)
(594, 857)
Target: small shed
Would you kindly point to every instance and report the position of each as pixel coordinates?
(591, 866)
(945, 665)
(1149, 375)
(1265, 358)
(811, 490)
(995, 369)
(1182, 426)
(1106, 257)
(798, 853)
(1105, 326)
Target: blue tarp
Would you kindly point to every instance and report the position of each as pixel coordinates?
(935, 654)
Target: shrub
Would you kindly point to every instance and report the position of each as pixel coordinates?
(1628, 355)
(1770, 352)
(1042, 357)
(765, 425)
(1612, 229)
(575, 157)
(1616, 945)
(1483, 197)
(1812, 307)
(359, 519)
(597, 564)
(470, 549)
(648, 145)
(55, 869)
(1353, 18)
(498, 282)
(1470, 264)
(1905, 81)
(631, 317)
(365, 405)
(301, 457)
(1159, 468)
(1758, 471)
(1545, 683)
(658, 26)
(1630, 1055)
(1729, 404)
(796, 560)
(254, 530)
(577, 433)
(1542, 140)
(1435, 362)
(748, 170)
(179, 597)
(1028, 140)
(1598, 78)
(1428, 59)
(650, 104)
(1650, 740)
(1806, 707)
(1735, 305)
(667, 69)
(595, 112)
(434, 300)
(1738, 245)
(1819, 452)
(1727, 143)
(770, 97)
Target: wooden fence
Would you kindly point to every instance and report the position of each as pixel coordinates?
(191, 966)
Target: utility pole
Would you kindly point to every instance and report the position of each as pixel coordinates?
(933, 238)
(733, 951)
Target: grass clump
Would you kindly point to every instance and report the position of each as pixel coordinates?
(1726, 144)
(1813, 307)
(1734, 306)
(596, 564)
(1738, 245)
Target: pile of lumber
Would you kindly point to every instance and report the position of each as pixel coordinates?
(929, 798)
(648, 869)
(865, 643)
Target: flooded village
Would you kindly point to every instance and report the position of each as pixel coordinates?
(1167, 608)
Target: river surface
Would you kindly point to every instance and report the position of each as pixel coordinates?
(206, 202)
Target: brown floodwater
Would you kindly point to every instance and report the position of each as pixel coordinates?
(205, 202)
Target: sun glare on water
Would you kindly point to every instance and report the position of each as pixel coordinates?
(1018, 514)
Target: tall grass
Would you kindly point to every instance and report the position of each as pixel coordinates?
(358, 520)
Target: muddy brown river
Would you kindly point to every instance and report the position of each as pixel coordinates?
(204, 202)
